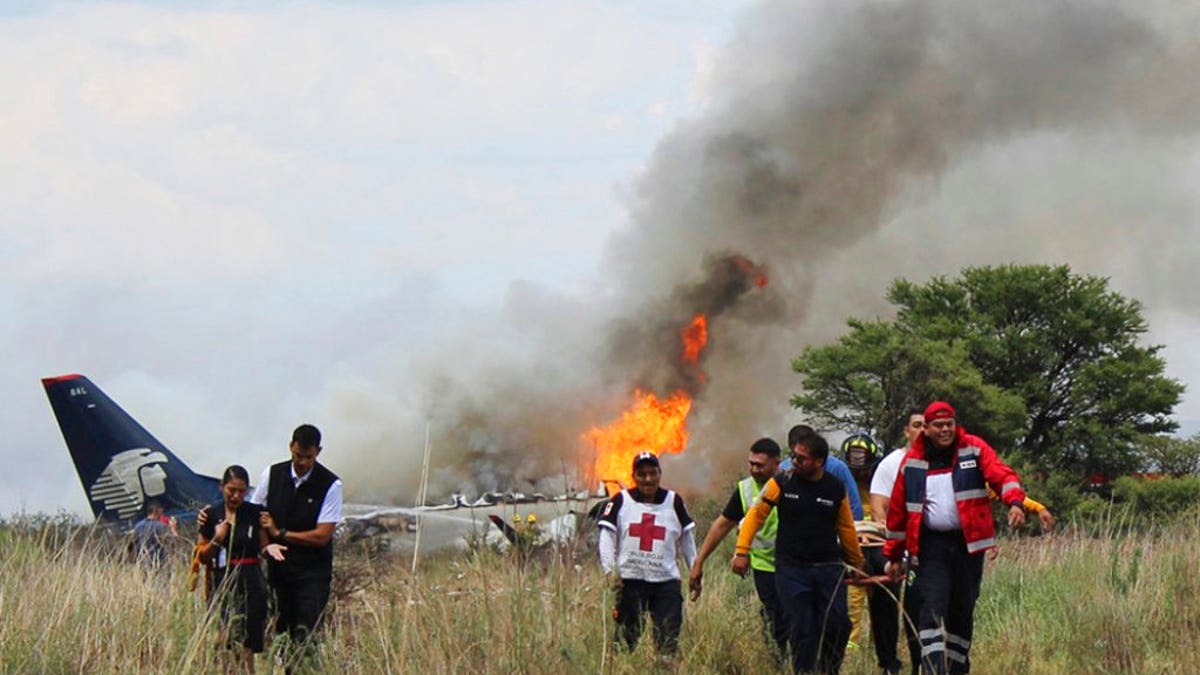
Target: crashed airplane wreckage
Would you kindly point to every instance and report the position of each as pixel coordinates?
(536, 519)
(123, 468)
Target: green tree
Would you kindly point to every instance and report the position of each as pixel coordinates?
(1174, 456)
(1064, 345)
(878, 372)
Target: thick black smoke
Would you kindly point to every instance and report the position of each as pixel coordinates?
(844, 144)
(647, 346)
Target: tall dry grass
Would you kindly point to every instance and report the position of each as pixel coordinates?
(1113, 602)
(68, 604)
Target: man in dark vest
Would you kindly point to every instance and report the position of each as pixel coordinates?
(303, 503)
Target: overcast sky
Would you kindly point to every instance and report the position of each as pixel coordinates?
(239, 218)
(217, 214)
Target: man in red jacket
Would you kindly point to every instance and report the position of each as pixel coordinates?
(940, 514)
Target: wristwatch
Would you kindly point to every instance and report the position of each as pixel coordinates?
(741, 555)
(279, 538)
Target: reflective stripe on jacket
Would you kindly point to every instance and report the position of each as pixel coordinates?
(762, 550)
(974, 466)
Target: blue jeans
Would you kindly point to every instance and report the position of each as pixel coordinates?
(814, 599)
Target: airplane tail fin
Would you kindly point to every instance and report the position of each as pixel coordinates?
(509, 533)
(121, 465)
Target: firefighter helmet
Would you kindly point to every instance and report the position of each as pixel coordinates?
(859, 451)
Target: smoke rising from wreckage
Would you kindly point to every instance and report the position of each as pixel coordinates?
(832, 125)
(845, 143)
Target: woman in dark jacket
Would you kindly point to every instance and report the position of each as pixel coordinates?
(232, 540)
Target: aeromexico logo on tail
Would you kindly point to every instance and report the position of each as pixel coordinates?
(130, 478)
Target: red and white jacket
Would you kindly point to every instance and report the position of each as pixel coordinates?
(974, 466)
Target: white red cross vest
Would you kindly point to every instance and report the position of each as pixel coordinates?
(646, 538)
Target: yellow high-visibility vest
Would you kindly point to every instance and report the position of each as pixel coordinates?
(762, 549)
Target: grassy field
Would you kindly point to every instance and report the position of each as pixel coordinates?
(1121, 602)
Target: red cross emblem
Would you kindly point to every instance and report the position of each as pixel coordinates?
(647, 532)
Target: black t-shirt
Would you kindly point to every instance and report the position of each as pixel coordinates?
(808, 517)
(614, 507)
(939, 458)
(244, 535)
(733, 508)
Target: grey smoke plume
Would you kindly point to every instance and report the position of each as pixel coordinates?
(646, 347)
(848, 143)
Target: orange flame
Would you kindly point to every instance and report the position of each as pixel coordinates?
(650, 424)
(659, 426)
(695, 336)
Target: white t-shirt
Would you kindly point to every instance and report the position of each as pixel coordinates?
(885, 474)
(941, 508)
(331, 507)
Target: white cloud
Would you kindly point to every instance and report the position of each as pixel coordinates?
(222, 214)
(219, 136)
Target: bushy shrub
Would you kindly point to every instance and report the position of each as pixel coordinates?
(1157, 502)
(1098, 516)
(1057, 491)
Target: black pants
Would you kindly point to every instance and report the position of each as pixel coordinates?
(948, 581)
(818, 619)
(774, 619)
(912, 614)
(907, 620)
(240, 595)
(884, 613)
(300, 599)
(664, 601)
